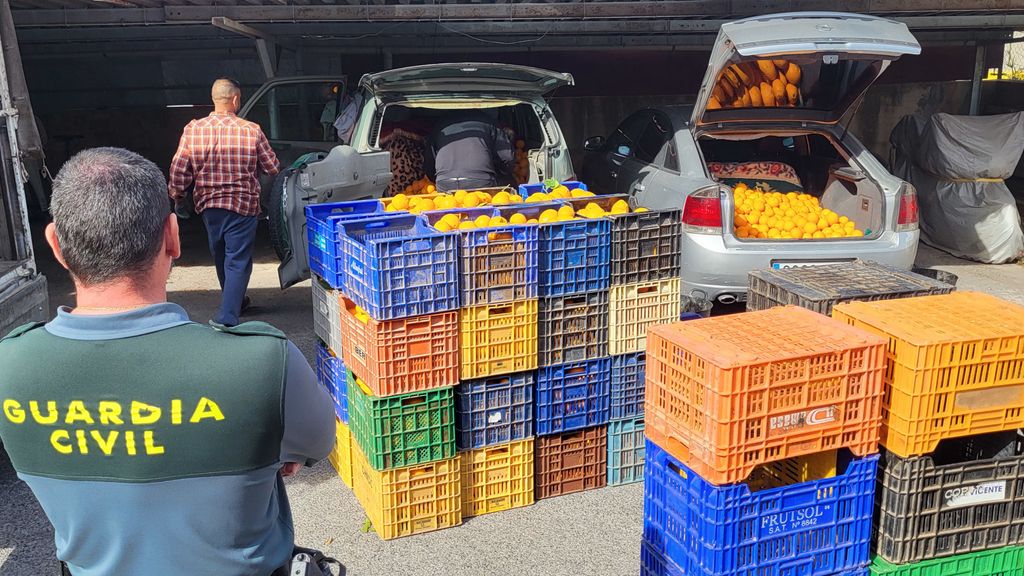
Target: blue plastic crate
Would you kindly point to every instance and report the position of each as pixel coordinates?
(627, 386)
(572, 396)
(499, 264)
(626, 448)
(398, 266)
(654, 564)
(575, 257)
(330, 371)
(494, 410)
(814, 528)
(324, 246)
(527, 189)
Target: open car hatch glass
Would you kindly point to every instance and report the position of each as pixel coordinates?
(806, 67)
(469, 77)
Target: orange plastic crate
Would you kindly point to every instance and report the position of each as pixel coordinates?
(496, 478)
(498, 339)
(411, 500)
(955, 366)
(341, 456)
(726, 394)
(402, 355)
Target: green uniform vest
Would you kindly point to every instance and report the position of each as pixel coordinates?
(181, 402)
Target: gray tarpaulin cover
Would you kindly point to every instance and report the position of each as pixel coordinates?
(957, 164)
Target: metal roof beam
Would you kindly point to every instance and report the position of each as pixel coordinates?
(509, 11)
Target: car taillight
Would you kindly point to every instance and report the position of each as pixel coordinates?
(702, 212)
(908, 218)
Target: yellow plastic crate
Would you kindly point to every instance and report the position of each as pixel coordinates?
(341, 456)
(411, 500)
(498, 339)
(497, 478)
(633, 308)
(955, 366)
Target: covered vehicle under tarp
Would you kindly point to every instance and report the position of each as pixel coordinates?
(957, 164)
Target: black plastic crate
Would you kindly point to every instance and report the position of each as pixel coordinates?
(967, 496)
(819, 288)
(646, 246)
(572, 328)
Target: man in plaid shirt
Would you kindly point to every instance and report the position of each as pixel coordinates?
(222, 156)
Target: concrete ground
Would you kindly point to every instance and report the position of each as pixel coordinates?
(596, 532)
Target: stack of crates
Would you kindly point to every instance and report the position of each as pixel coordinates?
(951, 479)
(390, 288)
(498, 279)
(762, 437)
(326, 266)
(644, 277)
(573, 375)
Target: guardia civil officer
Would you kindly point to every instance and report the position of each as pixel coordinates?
(145, 464)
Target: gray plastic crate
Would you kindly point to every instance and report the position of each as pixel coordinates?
(646, 246)
(572, 328)
(326, 315)
(967, 496)
(819, 288)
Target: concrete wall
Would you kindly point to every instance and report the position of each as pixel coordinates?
(885, 104)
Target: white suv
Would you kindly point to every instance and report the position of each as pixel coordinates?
(362, 169)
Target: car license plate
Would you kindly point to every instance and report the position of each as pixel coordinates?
(782, 264)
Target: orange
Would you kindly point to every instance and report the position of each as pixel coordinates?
(400, 201)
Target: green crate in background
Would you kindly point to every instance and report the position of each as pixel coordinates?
(404, 429)
(1008, 561)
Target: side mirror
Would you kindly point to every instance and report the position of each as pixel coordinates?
(594, 143)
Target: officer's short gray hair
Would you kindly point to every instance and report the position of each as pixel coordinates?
(109, 206)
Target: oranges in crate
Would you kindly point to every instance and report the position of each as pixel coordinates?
(761, 213)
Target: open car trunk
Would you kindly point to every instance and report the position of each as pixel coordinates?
(806, 169)
(809, 67)
(406, 126)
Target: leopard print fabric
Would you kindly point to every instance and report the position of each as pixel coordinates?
(407, 153)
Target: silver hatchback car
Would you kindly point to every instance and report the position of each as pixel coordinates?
(770, 112)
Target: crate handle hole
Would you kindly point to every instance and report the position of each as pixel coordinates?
(500, 236)
(501, 310)
(576, 301)
(647, 289)
(414, 400)
(424, 471)
(576, 370)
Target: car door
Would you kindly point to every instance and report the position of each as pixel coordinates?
(297, 116)
(610, 169)
(647, 154)
(659, 183)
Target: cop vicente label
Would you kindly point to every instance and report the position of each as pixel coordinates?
(977, 494)
(796, 520)
(813, 417)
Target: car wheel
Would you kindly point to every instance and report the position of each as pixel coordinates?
(278, 216)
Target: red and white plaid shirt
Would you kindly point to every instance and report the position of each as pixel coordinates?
(223, 155)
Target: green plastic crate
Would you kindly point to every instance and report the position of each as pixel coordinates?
(404, 429)
(1008, 561)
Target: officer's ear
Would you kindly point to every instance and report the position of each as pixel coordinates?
(54, 242)
(172, 241)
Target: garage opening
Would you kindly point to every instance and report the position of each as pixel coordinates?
(406, 127)
(799, 170)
